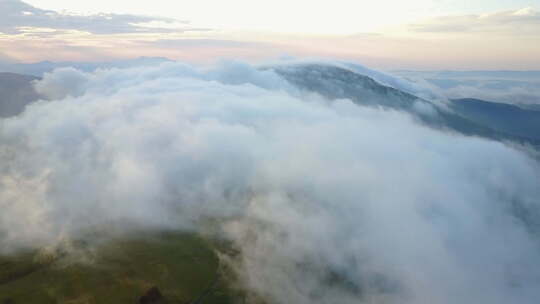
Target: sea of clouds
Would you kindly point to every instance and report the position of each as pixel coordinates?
(327, 201)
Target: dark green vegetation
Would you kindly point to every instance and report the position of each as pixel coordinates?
(183, 267)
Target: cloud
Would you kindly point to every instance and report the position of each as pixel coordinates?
(514, 87)
(365, 35)
(17, 17)
(328, 202)
(205, 42)
(205, 49)
(513, 95)
(523, 22)
(65, 82)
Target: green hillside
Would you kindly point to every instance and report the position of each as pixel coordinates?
(183, 267)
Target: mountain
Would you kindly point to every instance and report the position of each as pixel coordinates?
(16, 91)
(506, 118)
(121, 270)
(466, 116)
(525, 75)
(336, 82)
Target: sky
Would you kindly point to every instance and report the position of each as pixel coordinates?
(386, 34)
(304, 16)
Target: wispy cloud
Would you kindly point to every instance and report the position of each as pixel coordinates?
(204, 42)
(517, 22)
(18, 17)
(513, 87)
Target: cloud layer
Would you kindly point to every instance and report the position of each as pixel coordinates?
(18, 17)
(524, 21)
(512, 87)
(327, 201)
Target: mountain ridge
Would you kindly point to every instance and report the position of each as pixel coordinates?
(337, 83)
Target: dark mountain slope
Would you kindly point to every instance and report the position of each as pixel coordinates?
(499, 116)
(16, 91)
(335, 82)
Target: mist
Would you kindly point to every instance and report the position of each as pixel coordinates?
(511, 87)
(327, 201)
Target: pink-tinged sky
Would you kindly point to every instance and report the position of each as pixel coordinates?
(416, 34)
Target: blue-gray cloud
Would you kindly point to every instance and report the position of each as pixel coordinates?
(514, 87)
(15, 15)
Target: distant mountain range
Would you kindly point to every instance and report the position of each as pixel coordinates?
(467, 116)
(500, 74)
(514, 87)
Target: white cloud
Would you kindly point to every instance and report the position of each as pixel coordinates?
(425, 109)
(518, 22)
(528, 11)
(62, 83)
(328, 202)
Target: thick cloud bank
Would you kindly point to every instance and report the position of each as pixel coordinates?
(328, 202)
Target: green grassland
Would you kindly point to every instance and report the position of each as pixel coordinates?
(182, 266)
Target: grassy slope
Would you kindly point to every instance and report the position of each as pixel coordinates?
(181, 266)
